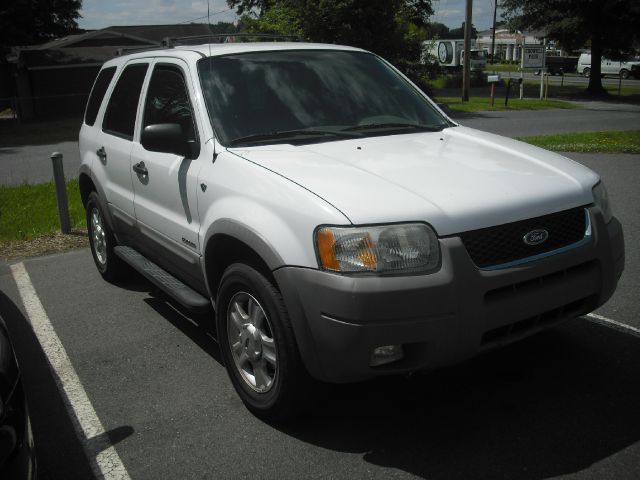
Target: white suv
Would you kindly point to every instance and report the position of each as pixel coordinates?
(341, 226)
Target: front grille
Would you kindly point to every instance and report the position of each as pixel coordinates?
(502, 244)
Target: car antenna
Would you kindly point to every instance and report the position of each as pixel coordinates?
(215, 154)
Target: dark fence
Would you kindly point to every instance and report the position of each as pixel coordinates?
(43, 107)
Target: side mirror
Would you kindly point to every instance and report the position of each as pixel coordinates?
(166, 138)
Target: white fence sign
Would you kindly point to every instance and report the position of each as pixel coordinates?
(533, 56)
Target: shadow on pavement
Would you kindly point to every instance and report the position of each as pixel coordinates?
(7, 151)
(58, 448)
(39, 132)
(467, 115)
(551, 405)
(199, 328)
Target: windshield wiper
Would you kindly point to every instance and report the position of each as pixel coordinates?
(284, 134)
(397, 126)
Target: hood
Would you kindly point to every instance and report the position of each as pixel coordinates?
(457, 180)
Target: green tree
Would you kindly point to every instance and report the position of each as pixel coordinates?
(391, 28)
(28, 22)
(608, 27)
(280, 19)
(459, 32)
(247, 6)
(437, 30)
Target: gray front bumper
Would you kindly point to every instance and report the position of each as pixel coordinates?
(448, 316)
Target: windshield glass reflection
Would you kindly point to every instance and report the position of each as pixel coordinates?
(251, 96)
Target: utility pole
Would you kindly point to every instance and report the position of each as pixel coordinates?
(466, 70)
(493, 37)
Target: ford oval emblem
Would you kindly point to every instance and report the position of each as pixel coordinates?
(535, 237)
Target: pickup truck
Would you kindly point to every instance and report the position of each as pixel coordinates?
(334, 223)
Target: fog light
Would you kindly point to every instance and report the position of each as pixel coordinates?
(386, 354)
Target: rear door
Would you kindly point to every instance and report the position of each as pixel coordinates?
(114, 142)
(165, 196)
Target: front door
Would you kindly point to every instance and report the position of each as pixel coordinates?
(166, 184)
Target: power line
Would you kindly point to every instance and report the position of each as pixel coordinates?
(206, 16)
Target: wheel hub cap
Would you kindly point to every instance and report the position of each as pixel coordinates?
(251, 342)
(98, 236)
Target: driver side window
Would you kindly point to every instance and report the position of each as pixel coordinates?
(168, 101)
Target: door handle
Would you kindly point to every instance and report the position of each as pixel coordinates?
(140, 169)
(102, 154)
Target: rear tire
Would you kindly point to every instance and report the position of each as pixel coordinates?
(258, 346)
(586, 72)
(102, 241)
(624, 74)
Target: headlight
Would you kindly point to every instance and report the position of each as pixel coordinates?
(411, 247)
(601, 199)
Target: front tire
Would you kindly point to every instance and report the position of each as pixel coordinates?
(624, 74)
(258, 345)
(586, 72)
(102, 241)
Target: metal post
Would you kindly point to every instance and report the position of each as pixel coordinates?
(619, 85)
(524, 40)
(61, 192)
(546, 87)
(493, 37)
(506, 97)
(542, 71)
(466, 68)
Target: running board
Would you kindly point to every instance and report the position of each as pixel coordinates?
(181, 293)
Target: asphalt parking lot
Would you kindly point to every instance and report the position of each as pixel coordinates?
(561, 404)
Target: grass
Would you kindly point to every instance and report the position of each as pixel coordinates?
(30, 211)
(478, 104)
(589, 142)
(448, 85)
(503, 67)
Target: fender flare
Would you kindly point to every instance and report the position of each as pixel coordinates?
(102, 199)
(248, 236)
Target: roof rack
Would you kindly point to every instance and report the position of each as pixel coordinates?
(169, 42)
(127, 50)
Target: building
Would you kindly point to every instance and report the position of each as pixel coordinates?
(54, 79)
(508, 44)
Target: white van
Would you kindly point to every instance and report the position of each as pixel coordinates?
(607, 67)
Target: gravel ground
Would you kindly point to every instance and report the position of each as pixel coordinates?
(53, 243)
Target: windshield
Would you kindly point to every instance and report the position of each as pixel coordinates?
(304, 96)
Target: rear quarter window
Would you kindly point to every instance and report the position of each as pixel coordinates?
(97, 94)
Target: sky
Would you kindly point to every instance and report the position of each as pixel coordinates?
(103, 13)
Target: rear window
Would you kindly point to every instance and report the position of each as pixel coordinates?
(97, 94)
(120, 118)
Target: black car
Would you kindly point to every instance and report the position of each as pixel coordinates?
(17, 454)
